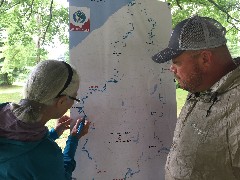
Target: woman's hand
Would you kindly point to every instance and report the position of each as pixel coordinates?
(63, 124)
(84, 130)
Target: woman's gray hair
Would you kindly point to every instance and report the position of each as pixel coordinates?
(45, 82)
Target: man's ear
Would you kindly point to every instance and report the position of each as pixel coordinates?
(206, 58)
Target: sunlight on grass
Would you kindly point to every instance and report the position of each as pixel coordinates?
(10, 93)
(181, 96)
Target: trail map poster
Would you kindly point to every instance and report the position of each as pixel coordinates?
(129, 99)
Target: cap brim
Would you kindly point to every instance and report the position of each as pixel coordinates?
(166, 55)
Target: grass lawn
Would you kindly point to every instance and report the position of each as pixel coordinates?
(14, 94)
(10, 93)
(181, 97)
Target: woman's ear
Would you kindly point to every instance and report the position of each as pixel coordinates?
(61, 101)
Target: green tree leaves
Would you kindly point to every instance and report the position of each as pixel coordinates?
(31, 25)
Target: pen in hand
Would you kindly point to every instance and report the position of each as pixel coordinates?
(81, 125)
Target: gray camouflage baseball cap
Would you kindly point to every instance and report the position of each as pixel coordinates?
(194, 33)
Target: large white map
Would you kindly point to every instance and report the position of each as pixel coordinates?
(129, 99)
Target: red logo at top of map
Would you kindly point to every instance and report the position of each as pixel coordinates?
(80, 20)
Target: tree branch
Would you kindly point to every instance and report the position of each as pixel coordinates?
(15, 53)
(2, 1)
(49, 22)
(178, 4)
(229, 21)
(31, 7)
(8, 8)
(228, 15)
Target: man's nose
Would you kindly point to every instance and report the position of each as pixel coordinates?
(173, 69)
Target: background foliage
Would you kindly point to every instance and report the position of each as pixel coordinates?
(29, 27)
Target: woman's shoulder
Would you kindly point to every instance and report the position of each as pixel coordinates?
(34, 155)
(49, 145)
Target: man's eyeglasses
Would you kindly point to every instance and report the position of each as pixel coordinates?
(75, 99)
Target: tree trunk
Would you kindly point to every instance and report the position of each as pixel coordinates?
(5, 79)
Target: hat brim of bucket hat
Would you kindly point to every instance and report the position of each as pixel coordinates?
(166, 55)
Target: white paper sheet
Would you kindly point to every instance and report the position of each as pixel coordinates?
(129, 99)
